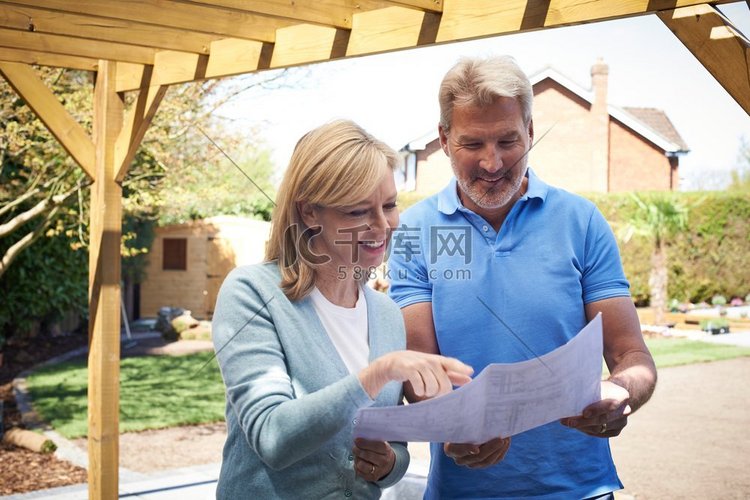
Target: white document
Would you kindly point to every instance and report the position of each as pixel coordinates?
(504, 400)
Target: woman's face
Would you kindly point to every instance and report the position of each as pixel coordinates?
(355, 237)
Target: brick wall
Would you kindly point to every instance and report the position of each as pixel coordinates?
(636, 164)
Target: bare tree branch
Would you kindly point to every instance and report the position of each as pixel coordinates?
(35, 211)
(28, 194)
(16, 249)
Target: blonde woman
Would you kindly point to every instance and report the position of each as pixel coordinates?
(302, 342)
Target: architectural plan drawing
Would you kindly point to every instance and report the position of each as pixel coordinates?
(503, 400)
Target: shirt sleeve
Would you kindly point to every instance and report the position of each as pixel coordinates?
(279, 427)
(408, 276)
(603, 276)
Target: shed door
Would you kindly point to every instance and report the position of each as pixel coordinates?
(220, 260)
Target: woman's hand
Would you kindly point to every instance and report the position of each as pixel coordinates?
(430, 375)
(373, 460)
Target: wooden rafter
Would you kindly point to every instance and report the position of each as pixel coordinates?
(80, 47)
(47, 59)
(43, 102)
(42, 21)
(172, 14)
(719, 46)
(136, 124)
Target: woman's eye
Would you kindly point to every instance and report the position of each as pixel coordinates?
(357, 213)
(390, 206)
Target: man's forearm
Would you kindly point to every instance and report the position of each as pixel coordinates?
(636, 372)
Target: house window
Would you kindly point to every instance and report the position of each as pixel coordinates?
(175, 254)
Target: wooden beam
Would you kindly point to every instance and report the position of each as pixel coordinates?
(390, 29)
(719, 46)
(137, 121)
(80, 47)
(465, 19)
(104, 293)
(306, 42)
(227, 57)
(43, 102)
(47, 59)
(43, 21)
(332, 13)
(225, 23)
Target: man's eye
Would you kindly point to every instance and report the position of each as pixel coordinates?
(472, 145)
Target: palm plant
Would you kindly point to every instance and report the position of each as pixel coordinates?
(659, 218)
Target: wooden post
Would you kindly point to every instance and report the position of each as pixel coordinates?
(104, 291)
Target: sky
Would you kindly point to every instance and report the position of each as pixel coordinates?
(394, 95)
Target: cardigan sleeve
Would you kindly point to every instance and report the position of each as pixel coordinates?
(399, 467)
(281, 428)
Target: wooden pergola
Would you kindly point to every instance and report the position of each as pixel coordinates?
(143, 46)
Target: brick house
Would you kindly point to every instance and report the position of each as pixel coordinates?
(589, 146)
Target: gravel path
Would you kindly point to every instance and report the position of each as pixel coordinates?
(691, 441)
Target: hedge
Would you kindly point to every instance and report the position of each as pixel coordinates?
(711, 257)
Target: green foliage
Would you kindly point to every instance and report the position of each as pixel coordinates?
(708, 258)
(718, 300)
(218, 187)
(43, 285)
(657, 216)
(176, 175)
(713, 323)
(155, 392)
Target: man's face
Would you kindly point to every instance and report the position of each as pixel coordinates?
(488, 149)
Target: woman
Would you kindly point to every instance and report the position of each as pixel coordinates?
(302, 342)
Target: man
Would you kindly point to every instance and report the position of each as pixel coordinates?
(501, 267)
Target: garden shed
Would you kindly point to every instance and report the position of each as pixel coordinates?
(145, 46)
(188, 262)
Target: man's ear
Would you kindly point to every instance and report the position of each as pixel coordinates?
(443, 135)
(531, 132)
(307, 213)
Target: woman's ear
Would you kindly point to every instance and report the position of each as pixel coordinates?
(307, 213)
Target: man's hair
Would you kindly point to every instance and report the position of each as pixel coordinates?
(335, 165)
(479, 81)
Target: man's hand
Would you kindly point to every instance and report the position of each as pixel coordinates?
(373, 460)
(478, 456)
(605, 418)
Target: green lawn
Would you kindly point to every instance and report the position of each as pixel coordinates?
(155, 392)
(674, 352)
(166, 391)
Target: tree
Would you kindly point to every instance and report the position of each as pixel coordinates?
(38, 181)
(659, 218)
(43, 195)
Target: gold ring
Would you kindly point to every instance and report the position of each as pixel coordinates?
(603, 428)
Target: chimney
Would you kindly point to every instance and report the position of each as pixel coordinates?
(599, 135)
(599, 75)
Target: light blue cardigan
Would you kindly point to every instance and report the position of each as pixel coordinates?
(291, 401)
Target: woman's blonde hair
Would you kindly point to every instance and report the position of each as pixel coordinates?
(337, 164)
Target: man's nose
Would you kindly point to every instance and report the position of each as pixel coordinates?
(491, 160)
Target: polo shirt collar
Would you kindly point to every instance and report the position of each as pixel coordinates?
(448, 201)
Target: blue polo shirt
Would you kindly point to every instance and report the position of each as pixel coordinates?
(508, 296)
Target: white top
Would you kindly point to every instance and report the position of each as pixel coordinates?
(347, 328)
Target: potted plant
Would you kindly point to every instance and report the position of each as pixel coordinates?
(715, 326)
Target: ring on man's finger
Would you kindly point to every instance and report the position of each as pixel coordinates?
(603, 428)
